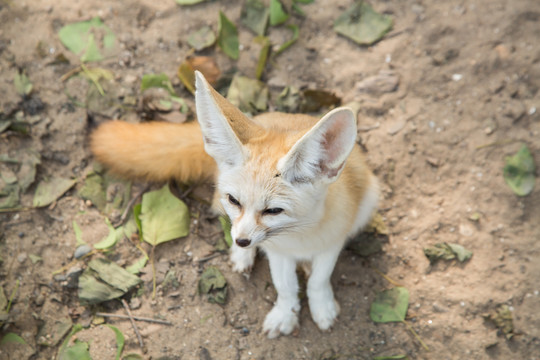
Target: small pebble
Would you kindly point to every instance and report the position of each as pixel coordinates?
(22, 257)
(81, 251)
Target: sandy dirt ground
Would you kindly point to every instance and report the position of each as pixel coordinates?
(466, 78)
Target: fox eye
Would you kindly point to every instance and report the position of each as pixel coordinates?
(273, 211)
(233, 200)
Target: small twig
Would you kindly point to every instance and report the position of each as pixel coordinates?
(93, 79)
(72, 263)
(139, 337)
(21, 209)
(153, 272)
(12, 296)
(497, 143)
(369, 128)
(416, 335)
(390, 280)
(130, 205)
(138, 318)
(209, 257)
(70, 73)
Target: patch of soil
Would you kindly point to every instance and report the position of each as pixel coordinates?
(468, 75)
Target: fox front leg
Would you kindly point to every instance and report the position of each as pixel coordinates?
(283, 318)
(242, 258)
(323, 307)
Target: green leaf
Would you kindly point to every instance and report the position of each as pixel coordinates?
(112, 238)
(362, 24)
(80, 38)
(288, 100)
(94, 291)
(285, 46)
(12, 346)
(213, 283)
(502, 319)
(188, 2)
(49, 191)
(187, 75)
(12, 338)
(61, 352)
(226, 226)
(163, 217)
(35, 258)
(278, 15)
(249, 95)
(390, 305)
(133, 356)
(93, 190)
(377, 225)
(228, 37)
(157, 80)
(22, 83)
(461, 253)
(255, 16)
(136, 215)
(27, 172)
(77, 351)
(119, 341)
(104, 280)
(10, 196)
(78, 233)
(138, 265)
(113, 274)
(202, 38)
(263, 55)
(519, 172)
(447, 251)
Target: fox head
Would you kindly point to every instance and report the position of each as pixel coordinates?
(271, 182)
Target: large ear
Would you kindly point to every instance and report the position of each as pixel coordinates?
(224, 127)
(321, 153)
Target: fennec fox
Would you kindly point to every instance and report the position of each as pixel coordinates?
(294, 186)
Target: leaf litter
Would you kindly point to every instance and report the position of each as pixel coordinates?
(391, 306)
(255, 16)
(502, 319)
(249, 95)
(213, 284)
(202, 38)
(447, 251)
(519, 172)
(362, 24)
(227, 38)
(92, 40)
(104, 280)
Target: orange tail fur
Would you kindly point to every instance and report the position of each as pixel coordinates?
(154, 151)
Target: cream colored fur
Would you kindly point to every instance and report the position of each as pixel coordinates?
(293, 186)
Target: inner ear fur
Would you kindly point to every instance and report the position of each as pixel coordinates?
(322, 152)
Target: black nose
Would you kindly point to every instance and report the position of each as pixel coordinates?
(243, 242)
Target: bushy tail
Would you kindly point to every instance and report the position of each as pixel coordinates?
(154, 151)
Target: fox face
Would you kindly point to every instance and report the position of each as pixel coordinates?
(263, 206)
(271, 182)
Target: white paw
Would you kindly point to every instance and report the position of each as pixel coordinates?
(324, 312)
(242, 259)
(280, 321)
